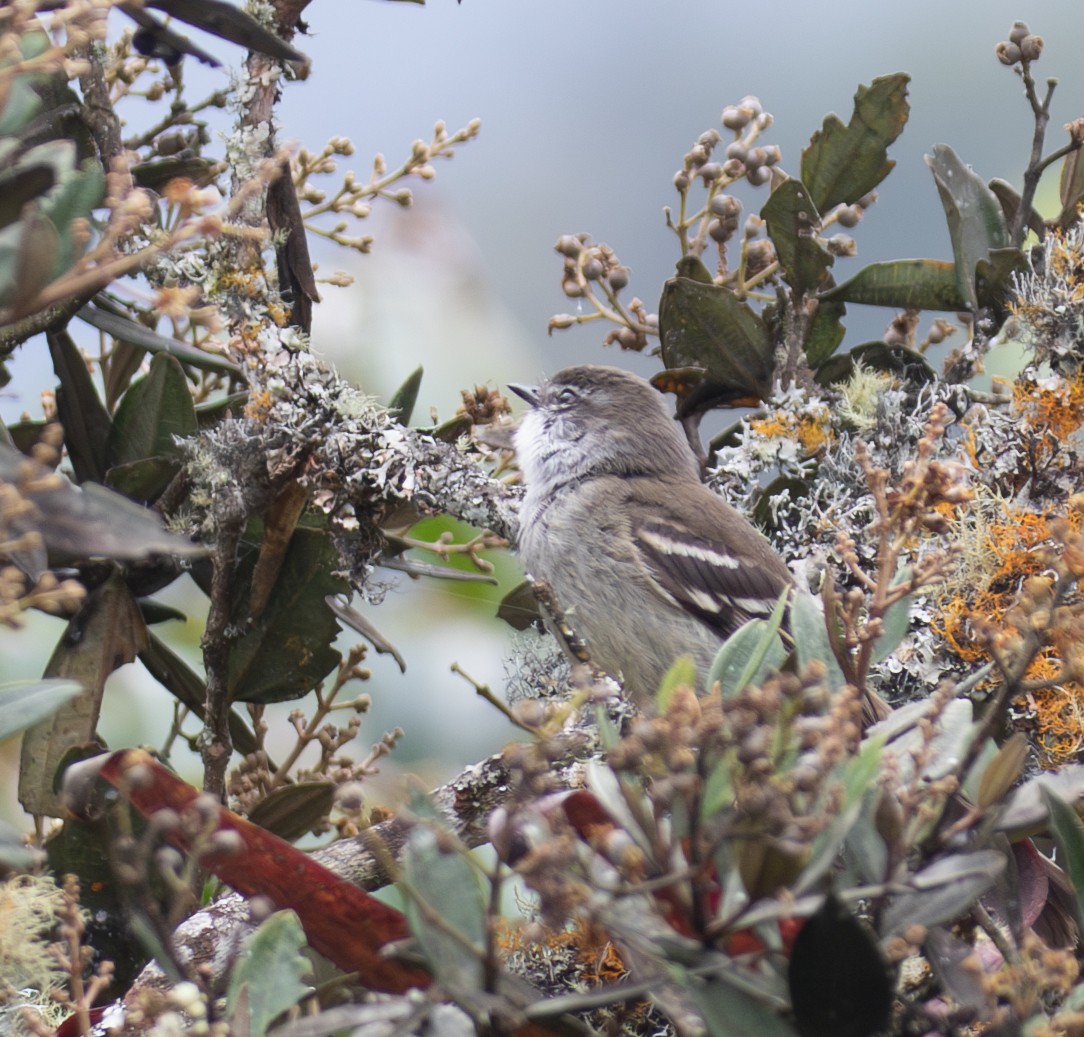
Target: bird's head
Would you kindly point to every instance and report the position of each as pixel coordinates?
(589, 420)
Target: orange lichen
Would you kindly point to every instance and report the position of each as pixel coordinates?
(259, 405)
(1058, 709)
(1016, 547)
(596, 958)
(1052, 412)
(811, 431)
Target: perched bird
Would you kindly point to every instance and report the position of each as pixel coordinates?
(647, 562)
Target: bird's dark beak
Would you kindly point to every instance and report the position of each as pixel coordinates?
(529, 393)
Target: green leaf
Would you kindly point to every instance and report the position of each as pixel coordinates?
(266, 978)
(188, 688)
(975, 220)
(228, 22)
(288, 648)
(158, 612)
(210, 414)
(681, 675)
(909, 365)
(1025, 813)
(452, 931)
(1003, 770)
(75, 196)
(915, 284)
(1068, 833)
(811, 643)
(401, 405)
(19, 184)
(704, 325)
(26, 703)
(943, 890)
(858, 776)
(730, 1010)
(33, 43)
(793, 224)
(82, 414)
(843, 163)
(1071, 188)
(124, 329)
(91, 522)
(753, 651)
(718, 788)
(143, 480)
(826, 331)
(100, 638)
(291, 811)
(35, 260)
(896, 622)
(1009, 199)
(839, 980)
(519, 607)
(153, 410)
(994, 276)
(158, 172)
(21, 106)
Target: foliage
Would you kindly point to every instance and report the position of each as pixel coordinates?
(777, 852)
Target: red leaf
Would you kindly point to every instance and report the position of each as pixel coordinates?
(344, 923)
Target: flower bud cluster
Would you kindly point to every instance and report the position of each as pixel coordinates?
(1021, 46)
(592, 271)
(743, 157)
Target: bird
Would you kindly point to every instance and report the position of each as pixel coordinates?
(647, 563)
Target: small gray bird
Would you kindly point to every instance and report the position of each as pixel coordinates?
(647, 562)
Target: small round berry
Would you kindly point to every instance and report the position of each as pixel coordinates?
(841, 245)
(724, 205)
(734, 118)
(697, 156)
(593, 269)
(1031, 47)
(849, 216)
(710, 171)
(619, 278)
(758, 175)
(569, 245)
(1018, 31)
(719, 230)
(628, 339)
(1007, 53)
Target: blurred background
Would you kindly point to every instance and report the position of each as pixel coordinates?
(587, 107)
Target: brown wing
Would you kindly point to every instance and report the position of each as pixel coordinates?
(720, 586)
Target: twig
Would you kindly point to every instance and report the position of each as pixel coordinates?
(1035, 167)
(484, 691)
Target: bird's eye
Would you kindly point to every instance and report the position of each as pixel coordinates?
(567, 395)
